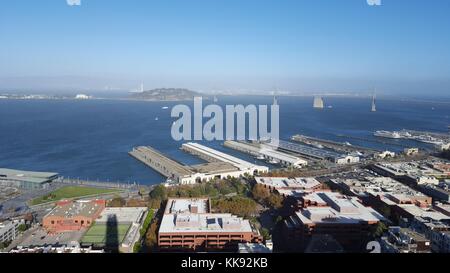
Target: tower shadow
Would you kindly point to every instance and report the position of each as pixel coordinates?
(112, 235)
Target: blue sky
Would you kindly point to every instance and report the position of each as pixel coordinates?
(295, 45)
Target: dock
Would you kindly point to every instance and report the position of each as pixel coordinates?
(164, 165)
(219, 165)
(263, 152)
(333, 145)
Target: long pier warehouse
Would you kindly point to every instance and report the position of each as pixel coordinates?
(219, 165)
(266, 153)
(316, 153)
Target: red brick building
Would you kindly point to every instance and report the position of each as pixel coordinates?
(73, 215)
(343, 218)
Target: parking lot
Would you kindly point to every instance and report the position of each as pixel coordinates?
(40, 237)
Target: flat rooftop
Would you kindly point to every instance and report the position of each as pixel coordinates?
(307, 150)
(76, 208)
(337, 209)
(183, 205)
(239, 163)
(203, 223)
(426, 213)
(253, 248)
(148, 153)
(27, 176)
(123, 215)
(282, 156)
(214, 167)
(289, 183)
(381, 186)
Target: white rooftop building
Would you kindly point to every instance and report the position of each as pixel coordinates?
(332, 207)
(217, 156)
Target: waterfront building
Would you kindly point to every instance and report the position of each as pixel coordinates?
(264, 152)
(316, 153)
(25, 179)
(219, 166)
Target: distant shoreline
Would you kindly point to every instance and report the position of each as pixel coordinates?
(209, 97)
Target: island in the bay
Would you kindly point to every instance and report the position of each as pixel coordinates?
(166, 94)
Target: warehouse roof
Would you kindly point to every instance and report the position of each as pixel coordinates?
(27, 176)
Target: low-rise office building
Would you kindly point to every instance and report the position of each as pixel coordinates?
(384, 194)
(294, 187)
(345, 218)
(188, 225)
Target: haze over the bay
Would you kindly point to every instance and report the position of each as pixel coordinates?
(228, 46)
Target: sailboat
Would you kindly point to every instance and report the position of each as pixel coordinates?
(374, 106)
(318, 103)
(216, 99)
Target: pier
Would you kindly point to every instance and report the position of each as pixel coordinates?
(219, 165)
(336, 146)
(263, 152)
(161, 163)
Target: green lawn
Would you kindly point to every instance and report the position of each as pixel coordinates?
(70, 192)
(97, 234)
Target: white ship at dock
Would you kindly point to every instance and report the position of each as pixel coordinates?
(440, 141)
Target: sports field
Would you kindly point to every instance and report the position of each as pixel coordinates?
(97, 234)
(71, 192)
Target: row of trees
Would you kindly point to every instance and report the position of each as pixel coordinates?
(266, 197)
(217, 189)
(238, 205)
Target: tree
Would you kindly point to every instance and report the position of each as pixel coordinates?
(260, 193)
(378, 230)
(147, 221)
(22, 227)
(159, 192)
(117, 202)
(275, 201)
(241, 206)
(266, 234)
(151, 237)
(4, 244)
(137, 247)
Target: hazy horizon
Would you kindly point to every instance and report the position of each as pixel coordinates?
(299, 47)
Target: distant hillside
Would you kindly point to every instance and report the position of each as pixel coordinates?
(167, 94)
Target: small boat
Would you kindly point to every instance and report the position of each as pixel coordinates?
(156, 118)
(165, 108)
(260, 157)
